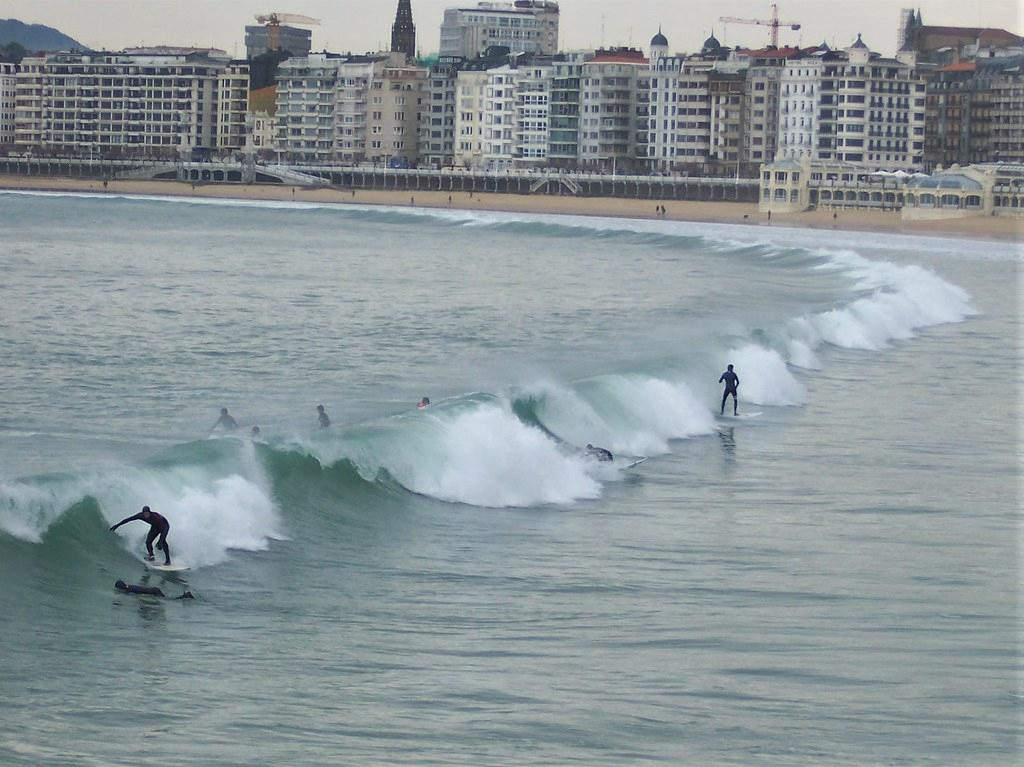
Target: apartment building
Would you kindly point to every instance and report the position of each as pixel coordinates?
(233, 106)
(799, 104)
(8, 80)
(397, 96)
(352, 107)
(470, 99)
(726, 136)
(306, 104)
(152, 103)
(523, 26)
(564, 112)
(853, 106)
(608, 109)
(437, 133)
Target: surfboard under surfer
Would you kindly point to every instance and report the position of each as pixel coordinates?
(158, 526)
(732, 383)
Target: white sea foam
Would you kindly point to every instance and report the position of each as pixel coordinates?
(487, 457)
(766, 380)
(209, 515)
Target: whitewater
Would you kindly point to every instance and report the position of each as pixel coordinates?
(831, 582)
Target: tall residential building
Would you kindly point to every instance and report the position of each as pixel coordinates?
(111, 103)
(608, 113)
(8, 80)
(726, 90)
(470, 101)
(403, 31)
(306, 104)
(294, 40)
(396, 103)
(564, 114)
(233, 106)
(853, 106)
(523, 26)
(1006, 83)
(437, 133)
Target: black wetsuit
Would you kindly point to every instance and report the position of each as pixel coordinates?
(732, 382)
(152, 591)
(600, 453)
(158, 526)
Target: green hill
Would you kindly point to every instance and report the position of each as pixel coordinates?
(36, 37)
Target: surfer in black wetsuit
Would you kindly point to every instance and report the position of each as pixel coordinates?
(158, 526)
(225, 421)
(732, 383)
(153, 591)
(322, 415)
(600, 453)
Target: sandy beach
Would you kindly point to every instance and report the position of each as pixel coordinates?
(988, 228)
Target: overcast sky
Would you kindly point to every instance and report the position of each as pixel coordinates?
(363, 25)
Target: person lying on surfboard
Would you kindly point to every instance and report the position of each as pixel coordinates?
(600, 453)
(158, 526)
(732, 383)
(153, 591)
(423, 403)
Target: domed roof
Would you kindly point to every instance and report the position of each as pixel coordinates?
(711, 43)
(659, 40)
(860, 43)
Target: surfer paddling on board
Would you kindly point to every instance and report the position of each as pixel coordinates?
(423, 403)
(600, 453)
(158, 526)
(153, 591)
(225, 421)
(732, 383)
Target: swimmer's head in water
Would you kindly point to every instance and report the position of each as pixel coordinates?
(121, 585)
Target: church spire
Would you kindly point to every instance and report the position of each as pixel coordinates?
(403, 31)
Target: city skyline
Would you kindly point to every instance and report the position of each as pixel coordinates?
(584, 23)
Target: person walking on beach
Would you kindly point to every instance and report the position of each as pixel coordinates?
(226, 421)
(322, 415)
(732, 383)
(158, 526)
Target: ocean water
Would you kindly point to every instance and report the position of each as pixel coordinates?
(833, 582)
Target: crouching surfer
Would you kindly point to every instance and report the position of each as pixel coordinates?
(158, 527)
(600, 453)
(153, 591)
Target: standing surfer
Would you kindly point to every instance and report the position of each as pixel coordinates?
(225, 421)
(158, 526)
(322, 415)
(732, 383)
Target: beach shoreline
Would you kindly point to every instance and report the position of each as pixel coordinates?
(979, 228)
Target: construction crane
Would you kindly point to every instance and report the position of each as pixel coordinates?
(773, 22)
(273, 21)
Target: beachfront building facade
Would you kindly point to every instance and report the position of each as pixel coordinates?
(523, 26)
(609, 87)
(306, 104)
(470, 99)
(799, 105)
(437, 134)
(233, 107)
(151, 102)
(8, 81)
(396, 98)
(564, 114)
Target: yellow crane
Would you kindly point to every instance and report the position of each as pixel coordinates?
(273, 21)
(773, 22)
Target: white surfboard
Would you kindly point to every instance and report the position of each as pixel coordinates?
(637, 462)
(740, 417)
(171, 568)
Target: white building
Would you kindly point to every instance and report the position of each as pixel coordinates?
(105, 103)
(799, 104)
(470, 102)
(853, 106)
(524, 26)
(500, 118)
(7, 85)
(532, 114)
(306, 103)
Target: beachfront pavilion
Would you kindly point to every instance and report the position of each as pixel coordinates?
(946, 194)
